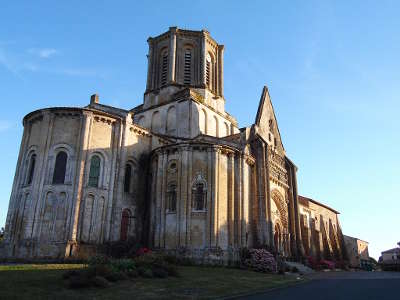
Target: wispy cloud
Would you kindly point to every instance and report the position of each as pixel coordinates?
(43, 52)
(20, 62)
(5, 125)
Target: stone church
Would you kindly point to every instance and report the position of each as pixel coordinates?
(176, 172)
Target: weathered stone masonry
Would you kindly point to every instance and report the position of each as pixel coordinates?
(176, 172)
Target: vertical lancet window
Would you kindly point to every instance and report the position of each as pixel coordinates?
(164, 67)
(171, 197)
(60, 168)
(127, 180)
(31, 170)
(187, 68)
(94, 173)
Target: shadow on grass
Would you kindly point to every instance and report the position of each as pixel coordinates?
(45, 281)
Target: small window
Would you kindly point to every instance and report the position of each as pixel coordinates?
(128, 176)
(199, 197)
(60, 168)
(94, 173)
(171, 197)
(31, 171)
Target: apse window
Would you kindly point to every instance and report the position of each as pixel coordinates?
(171, 197)
(60, 168)
(199, 197)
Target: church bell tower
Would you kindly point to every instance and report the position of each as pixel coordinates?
(179, 59)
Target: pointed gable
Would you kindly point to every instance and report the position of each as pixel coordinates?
(266, 121)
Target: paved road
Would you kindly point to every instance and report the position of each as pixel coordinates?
(342, 286)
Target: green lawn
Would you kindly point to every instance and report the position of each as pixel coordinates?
(45, 282)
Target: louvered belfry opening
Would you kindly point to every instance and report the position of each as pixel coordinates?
(208, 67)
(187, 67)
(164, 68)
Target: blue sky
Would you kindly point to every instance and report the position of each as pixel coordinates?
(332, 68)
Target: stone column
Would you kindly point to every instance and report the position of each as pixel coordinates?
(160, 175)
(292, 221)
(163, 198)
(268, 217)
(221, 70)
(232, 200)
(149, 84)
(210, 168)
(80, 172)
(184, 199)
(299, 243)
(203, 58)
(115, 173)
(48, 117)
(214, 196)
(172, 55)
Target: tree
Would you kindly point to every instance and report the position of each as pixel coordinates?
(1, 234)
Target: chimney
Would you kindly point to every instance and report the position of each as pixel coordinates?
(94, 99)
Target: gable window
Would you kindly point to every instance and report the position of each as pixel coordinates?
(187, 74)
(94, 173)
(31, 169)
(60, 168)
(171, 197)
(199, 196)
(127, 179)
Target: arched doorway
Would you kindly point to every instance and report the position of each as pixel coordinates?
(125, 222)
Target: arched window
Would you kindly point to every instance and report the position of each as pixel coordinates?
(187, 67)
(125, 223)
(127, 180)
(199, 196)
(171, 197)
(94, 173)
(31, 170)
(60, 168)
(164, 68)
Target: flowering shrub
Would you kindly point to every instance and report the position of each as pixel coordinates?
(142, 251)
(327, 264)
(260, 260)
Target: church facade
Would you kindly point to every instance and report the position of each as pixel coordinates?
(176, 172)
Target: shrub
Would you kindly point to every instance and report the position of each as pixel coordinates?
(327, 264)
(116, 276)
(172, 270)
(70, 273)
(147, 273)
(261, 260)
(132, 273)
(142, 251)
(121, 249)
(295, 270)
(100, 282)
(159, 272)
(100, 270)
(123, 265)
(79, 281)
(98, 259)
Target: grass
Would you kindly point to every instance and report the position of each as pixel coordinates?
(44, 282)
